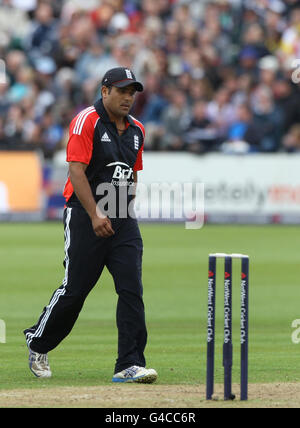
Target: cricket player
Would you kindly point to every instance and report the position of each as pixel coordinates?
(104, 152)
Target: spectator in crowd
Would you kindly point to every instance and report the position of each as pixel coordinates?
(49, 131)
(221, 111)
(15, 60)
(290, 40)
(287, 98)
(231, 58)
(268, 119)
(42, 37)
(201, 135)
(291, 141)
(14, 126)
(274, 25)
(254, 38)
(152, 112)
(268, 67)
(4, 101)
(175, 119)
(243, 135)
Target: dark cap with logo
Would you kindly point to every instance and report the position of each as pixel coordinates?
(121, 77)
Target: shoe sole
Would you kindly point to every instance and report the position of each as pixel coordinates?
(147, 379)
(141, 379)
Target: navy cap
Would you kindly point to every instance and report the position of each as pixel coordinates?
(121, 77)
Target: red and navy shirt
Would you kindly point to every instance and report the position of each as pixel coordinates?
(111, 158)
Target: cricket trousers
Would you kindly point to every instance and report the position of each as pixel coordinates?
(85, 257)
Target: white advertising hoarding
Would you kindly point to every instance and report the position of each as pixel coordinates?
(255, 187)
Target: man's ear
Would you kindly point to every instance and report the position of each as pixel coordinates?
(104, 91)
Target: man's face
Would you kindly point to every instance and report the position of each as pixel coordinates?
(118, 100)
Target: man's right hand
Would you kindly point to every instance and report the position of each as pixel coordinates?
(102, 227)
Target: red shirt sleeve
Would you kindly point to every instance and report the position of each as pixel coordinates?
(81, 135)
(139, 160)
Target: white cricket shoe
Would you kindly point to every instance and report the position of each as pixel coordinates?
(136, 374)
(39, 364)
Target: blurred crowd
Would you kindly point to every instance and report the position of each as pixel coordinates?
(219, 75)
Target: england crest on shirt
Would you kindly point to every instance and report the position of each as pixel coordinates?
(136, 142)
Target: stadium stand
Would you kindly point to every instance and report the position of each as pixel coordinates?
(219, 75)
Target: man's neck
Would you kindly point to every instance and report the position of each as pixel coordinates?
(120, 121)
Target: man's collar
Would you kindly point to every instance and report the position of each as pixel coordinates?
(100, 109)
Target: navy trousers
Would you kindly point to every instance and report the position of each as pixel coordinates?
(85, 257)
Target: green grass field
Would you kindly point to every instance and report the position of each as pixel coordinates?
(175, 293)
